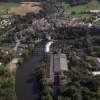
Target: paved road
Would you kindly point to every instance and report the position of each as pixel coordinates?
(26, 84)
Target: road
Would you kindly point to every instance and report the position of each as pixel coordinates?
(26, 85)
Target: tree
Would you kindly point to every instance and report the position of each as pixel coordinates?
(7, 85)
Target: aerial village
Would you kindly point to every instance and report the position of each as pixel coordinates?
(49, 54)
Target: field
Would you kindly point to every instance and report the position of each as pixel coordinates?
(19, 8)
(4, 6)
(93, 5)
(26, 7)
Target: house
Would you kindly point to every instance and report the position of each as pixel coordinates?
(4, 53)
(94, 11)
(97, 62)
(96, 73)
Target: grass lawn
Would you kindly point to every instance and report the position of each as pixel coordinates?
(4, 6)
(86, 7)
(93, 5)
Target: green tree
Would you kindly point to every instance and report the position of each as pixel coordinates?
(7, 85)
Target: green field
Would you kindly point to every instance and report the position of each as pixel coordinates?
(93, 5)
(4, 6)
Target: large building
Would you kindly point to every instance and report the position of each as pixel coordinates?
(57, 66)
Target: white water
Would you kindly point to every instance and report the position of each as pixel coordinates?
(47, 47)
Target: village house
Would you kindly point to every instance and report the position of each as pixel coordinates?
(4, 53)
(94, 11)
(97, 63)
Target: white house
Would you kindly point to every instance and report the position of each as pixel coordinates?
(94, 11)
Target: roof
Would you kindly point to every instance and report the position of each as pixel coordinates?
(98, 59)
(60, 62)
(96, 73)
(94, 11)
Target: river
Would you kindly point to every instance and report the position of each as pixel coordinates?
(27, 87)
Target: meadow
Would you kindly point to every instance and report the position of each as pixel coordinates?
(4, 6)
(79, 9)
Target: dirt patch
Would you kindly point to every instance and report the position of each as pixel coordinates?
(26, 7)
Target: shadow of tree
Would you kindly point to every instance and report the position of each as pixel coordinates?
(35, 84)
(76, 2)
